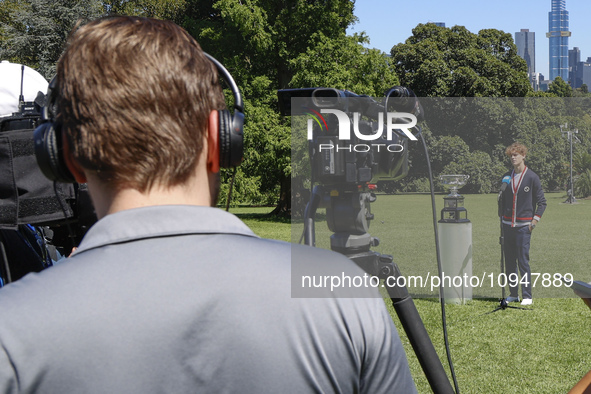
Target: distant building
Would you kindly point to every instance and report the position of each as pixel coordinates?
(542, 83)
(586, 73)
(535, 80)
(558, 34)
(440, 24)
(526, 48)
(575, 71)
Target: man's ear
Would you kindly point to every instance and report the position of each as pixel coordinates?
(213, 148)
(71, 162)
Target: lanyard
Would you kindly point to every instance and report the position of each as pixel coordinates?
(515, 188)
(513, 185)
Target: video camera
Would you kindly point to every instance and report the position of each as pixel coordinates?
(354, 139)
(59, 213)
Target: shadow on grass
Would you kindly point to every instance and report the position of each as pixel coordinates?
(263, 217)
(270, 218)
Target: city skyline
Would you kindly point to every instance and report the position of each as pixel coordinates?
(388, 24)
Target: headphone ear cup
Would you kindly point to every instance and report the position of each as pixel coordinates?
(224, 138)
(230, 138)
(49, 154)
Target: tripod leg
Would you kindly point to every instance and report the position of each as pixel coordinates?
(418, 337)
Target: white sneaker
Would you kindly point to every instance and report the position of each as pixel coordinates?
(527, 301)
(512, 299)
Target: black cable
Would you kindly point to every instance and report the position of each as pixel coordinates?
(230, 190)
(439, 268)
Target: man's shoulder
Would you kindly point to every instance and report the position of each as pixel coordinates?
(533, 174)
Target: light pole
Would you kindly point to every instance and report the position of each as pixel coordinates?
(571, 194)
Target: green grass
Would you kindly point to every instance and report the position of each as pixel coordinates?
(542, 350)
(262, 224)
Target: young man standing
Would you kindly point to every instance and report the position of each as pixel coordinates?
(523, 204)
(166, 294)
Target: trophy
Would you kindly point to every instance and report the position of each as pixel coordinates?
(453, 183)
(455, 239)
(454, 210)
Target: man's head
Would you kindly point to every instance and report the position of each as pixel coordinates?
(516, 147)
(134, 96)
(517, 153)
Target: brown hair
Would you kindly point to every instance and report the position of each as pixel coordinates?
(516, 147)
(134, 95)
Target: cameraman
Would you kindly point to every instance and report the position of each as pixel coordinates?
(166, 293)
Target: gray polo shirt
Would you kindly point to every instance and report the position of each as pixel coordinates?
(185, 299)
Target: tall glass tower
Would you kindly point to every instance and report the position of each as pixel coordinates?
(525, 41)
(558, 34)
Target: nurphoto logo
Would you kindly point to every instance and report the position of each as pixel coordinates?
(396, 122)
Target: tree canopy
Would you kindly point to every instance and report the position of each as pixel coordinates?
(453, 62)
(35, 31)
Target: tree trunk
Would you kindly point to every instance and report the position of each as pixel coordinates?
(283, 208)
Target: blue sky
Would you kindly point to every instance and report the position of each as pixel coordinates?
(389, 22)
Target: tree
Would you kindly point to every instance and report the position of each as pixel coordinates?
(453, 62)
(267, 45)
(484, 172)
(35, 31)
(582, 185)
(560, 88)
(7, 11)
(352, 66)
(162, 9)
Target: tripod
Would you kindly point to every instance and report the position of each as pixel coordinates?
(348, 213)
(503, 301)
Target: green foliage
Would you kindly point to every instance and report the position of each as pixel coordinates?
(582, 184)
(453, 62)
(484, 172)
(41, 29)
(162, 9)
(37, 30)
(7, 12)
(581, 161)
(560, 88)
(351, 67)
(460, 131)
(275, 44)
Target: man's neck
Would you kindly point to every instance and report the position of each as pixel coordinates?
(107, 200)
(519, 168)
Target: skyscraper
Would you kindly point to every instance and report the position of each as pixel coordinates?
(575, 68)
(558, 34)
(526, 48)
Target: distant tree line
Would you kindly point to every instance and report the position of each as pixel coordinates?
(470, 137)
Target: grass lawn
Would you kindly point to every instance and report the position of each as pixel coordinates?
(542, 350)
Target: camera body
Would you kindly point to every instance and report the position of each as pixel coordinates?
(353, 139)
(27, 197)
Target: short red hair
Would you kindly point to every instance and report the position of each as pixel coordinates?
(516, 147)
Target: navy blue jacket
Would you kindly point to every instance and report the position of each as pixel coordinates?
(527, 203)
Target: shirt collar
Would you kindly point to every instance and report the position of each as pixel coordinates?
(161, 221)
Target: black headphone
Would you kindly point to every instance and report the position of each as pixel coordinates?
(48, 136)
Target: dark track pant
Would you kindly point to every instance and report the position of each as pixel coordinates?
(517, 241)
